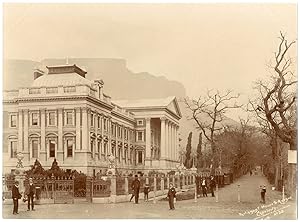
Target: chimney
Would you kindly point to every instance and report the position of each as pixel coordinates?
(37, 73)
(100, 84)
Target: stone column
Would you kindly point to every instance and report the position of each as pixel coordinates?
(170, 141)
(20, 131)
(113, 189)
(148, 142)
(85, 132)
(173, 180)
(154, 189)
(162, 184)
(78, 132)
(60, 147)
(43, 132)
(88, 131)
(26, 148)
(167, 139)
(126, 185)
(163, 138)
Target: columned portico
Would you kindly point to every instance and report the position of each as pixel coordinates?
(148, 143)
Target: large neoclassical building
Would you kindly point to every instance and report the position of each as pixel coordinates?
(64, 115)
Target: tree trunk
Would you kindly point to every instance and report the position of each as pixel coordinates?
(277, 175)
(292, 176)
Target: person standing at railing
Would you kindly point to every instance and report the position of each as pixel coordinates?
(172, 196)
(16, 196)
(30, 192)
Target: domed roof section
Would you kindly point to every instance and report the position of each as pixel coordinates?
(65, 75)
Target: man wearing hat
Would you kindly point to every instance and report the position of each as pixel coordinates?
(30, 192)
(16, 196)
(136, 188)
(171, 196)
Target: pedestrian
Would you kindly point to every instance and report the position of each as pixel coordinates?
(30, 192)
(136, 189)
(16, 196)
(204, 187)
(146, 192)
(172, 196)
(263, 194)
(212, 185)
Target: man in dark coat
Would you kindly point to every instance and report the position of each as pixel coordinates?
(263, 194)
(212, 185)
(30, 192)
(136, 188)
(16, 196)
(171, 196)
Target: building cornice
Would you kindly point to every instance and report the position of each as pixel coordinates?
(116, 114)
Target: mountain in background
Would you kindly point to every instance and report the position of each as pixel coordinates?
(119, 83)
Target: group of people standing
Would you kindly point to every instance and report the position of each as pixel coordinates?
(135, 186)
(206, 184)
(28, 196)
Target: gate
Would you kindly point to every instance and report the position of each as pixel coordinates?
(64, 191)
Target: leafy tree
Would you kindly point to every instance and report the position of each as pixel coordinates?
(199, 163)
(188, 159)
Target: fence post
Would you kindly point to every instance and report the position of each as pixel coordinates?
(168, 181)
(217, 193)
(183, 181)
(283, 196)
(154, 189)
(194, 181)
(126, 184)
(173, 180)
(162, 184)
(113, 188)
(239, 196)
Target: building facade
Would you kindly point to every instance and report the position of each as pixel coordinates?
(65, 116)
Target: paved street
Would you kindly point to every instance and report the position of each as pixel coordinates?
(205, 208)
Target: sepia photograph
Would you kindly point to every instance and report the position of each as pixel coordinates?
(149, 110)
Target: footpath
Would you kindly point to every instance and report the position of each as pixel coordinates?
(227, 206)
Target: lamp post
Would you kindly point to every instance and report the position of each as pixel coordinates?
(19, 172)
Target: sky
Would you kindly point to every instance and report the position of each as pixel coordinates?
(203, 46)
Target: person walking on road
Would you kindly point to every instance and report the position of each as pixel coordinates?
(212, 185)
(263, 194)
(146, 192)
(172, 196)
(30, 192)
(204, 187)
(16, 196)
(136, 189)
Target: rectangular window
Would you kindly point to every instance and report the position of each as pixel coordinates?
(69, 118)
(92, 119)
(13, 149)
(52, 148)
(69, 148)
(13, 120)
(119, 131)
(105, 148)
(99, 122)
(92, 146)
(34, 148)
(140, 157)
(52, 119)
(140, 136)
(112, 129)
(119, 155)
(35, 119)
(140, 122)
(99, 147)
(105, 124)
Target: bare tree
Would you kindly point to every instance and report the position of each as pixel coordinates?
(278, 99)
(209, 113)
(275, 105)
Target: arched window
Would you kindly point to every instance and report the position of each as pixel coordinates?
(34, 145)
(69, 144)
(13, 146)
(51, 143)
